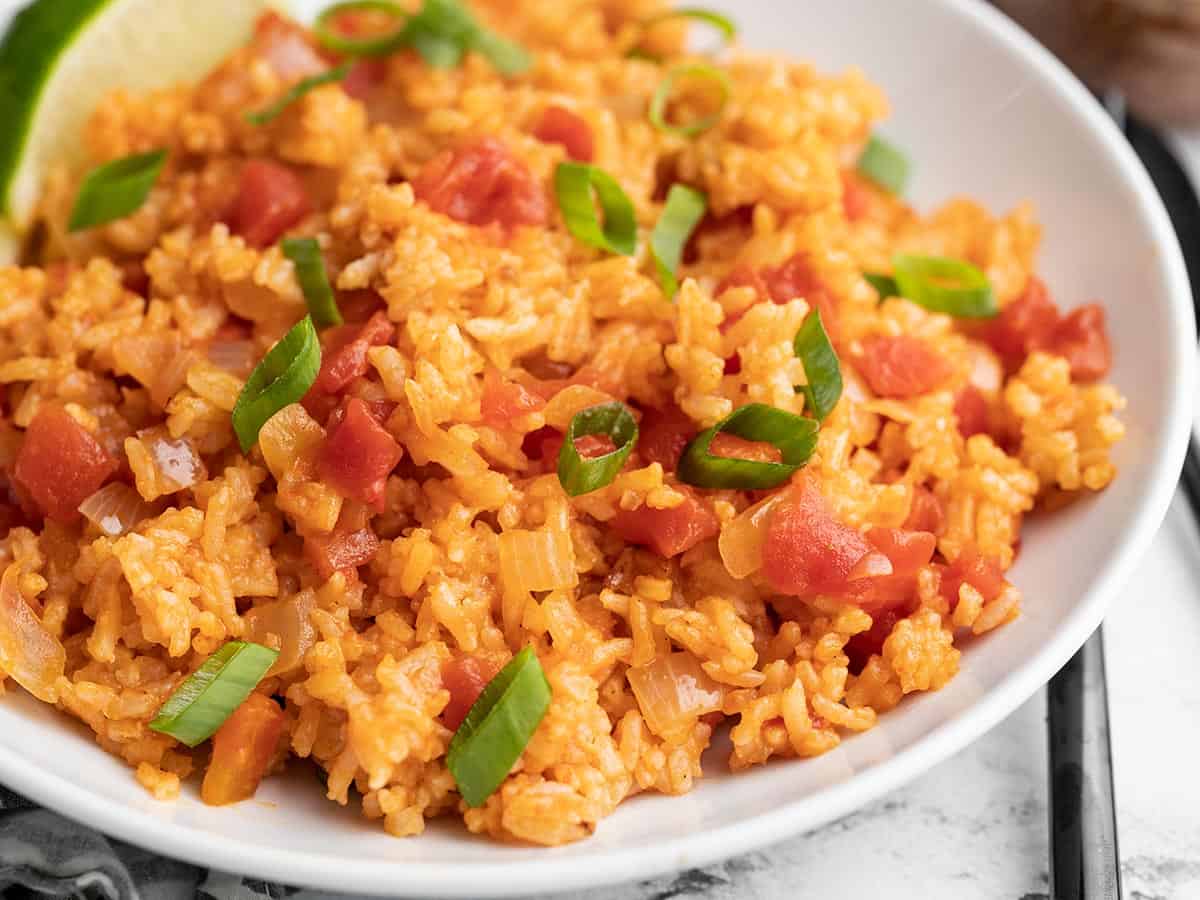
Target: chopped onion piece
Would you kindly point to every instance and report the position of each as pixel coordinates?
(287, 436)
(29, 654)
(673, 692)
(741, 540)
(116, 509)
(238, 357)
(176, 459)
(284, 625)
(537, 560)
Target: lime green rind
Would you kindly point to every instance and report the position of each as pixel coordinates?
(38, 36)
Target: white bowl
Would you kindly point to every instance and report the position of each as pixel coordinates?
(983, 110)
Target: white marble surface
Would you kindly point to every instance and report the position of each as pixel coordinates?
(975, 828)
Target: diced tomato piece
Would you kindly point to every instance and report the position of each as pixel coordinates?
(591, 446)
(971, 408)
(270, 200)
(733, 447)
(285, 45)
(662, 435)
(1023, 325)
(1082, 337)
(358, 306)
(901, 366)
(807, 551)
(783, 283)
(60, 464)
(344, 353)
(134, 277)
(981, 573)
(358, 455)
(668, 532)
(559, 125)
(481, 184)
(862, 646)
(364, 75)
(464, 676)
(340, 552)
(907, 550)
(733, 365)
(543, 443)
(925, 514)
(242, 750)
(503, 401)
(856, 199)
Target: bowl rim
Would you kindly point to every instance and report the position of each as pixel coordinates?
(552, 873)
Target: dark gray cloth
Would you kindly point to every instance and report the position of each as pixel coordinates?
(43, 855)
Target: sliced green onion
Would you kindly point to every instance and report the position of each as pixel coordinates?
(305, 254)
(662, 95)
(724, 26)
(373, 45)
(207, 697)
(295, 92)
(885, 165)
(506, 57)
(821, 368)
(578, 475)
(498, 726)
(683, 211)
(885, 285)
(574, 183)
(951, 286)
(284, 376)
(794, 436)
(116, 189)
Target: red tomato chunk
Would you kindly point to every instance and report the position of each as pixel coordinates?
(465, 676)
(1082, 337)
(242, 750)
(271, 199)
(907, 551)
(783, 283)
(559, 125)
(482, 184)
(344, 352)
(925, 514)
(901, 367)
(807, 551)
(856, 199)
(358, 455)
(668, 532)
(60, 464)
(971, 568)
(1032, 322)
(340, 552)
(972, 411)
(363, 76)
(503, 400)
(662, 435)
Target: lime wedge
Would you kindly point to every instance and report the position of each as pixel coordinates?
(60, 57)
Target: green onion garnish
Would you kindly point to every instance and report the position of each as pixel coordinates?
(885, 165)
(115, 189)
(442, 31)
(498, 726)
(662, 95)
(794, 436)
(295, 92)
(952, 286)
(578, 475)
(305, 254)
(207, 697)
(374, 45)
(885, 285)
(723, 25)
(284, 376)
(574, 183)
(821, 368)
(683, 211)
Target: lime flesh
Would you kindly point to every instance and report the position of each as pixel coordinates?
(60, 57)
